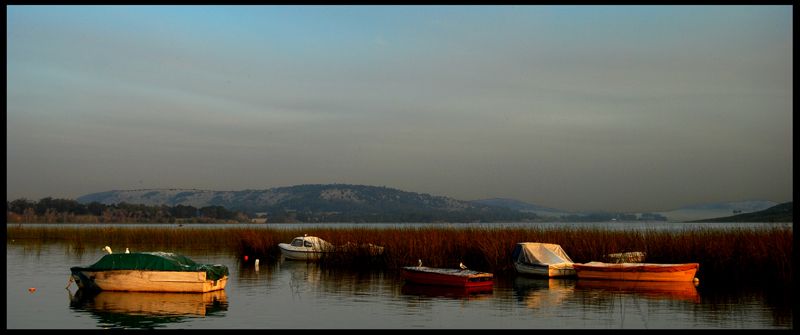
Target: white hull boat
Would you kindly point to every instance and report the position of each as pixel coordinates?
(542, 260)
(305, 248)
(549, 270)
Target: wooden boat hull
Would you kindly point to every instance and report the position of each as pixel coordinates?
(542, 270)
(637, 271)
(446, 277)
(147, 281)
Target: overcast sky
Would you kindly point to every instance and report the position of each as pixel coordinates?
(623, 108)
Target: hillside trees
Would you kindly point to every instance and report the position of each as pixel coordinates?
(50, 210)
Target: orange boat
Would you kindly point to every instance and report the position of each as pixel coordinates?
(446, 277)
(637, 271)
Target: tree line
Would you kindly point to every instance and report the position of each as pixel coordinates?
(52, 210)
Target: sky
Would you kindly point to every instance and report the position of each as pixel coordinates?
(617, 108)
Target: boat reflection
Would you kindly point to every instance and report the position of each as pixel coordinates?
(302, 271)
(147, 309)
(454, 292)
(312, 278)
(542, 292)
(651, 289)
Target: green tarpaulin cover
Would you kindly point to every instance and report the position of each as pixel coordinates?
(155, 261)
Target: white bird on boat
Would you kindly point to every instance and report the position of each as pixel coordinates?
(107, 249)
(127, 251)
(462, 266)
(419, 264)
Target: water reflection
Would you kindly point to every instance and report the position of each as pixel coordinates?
(310, 276)
(302, 276)
(341, 298)
(685, 291)
(433, 291)
(147, 309)
(542, 292)
(250, 272)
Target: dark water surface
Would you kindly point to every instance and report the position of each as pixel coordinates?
(291, 295)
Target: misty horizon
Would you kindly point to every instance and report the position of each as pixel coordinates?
(598, 210)
(580, 108)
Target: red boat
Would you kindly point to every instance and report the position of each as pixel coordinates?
(446, 277)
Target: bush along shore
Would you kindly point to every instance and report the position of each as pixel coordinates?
(736, 254)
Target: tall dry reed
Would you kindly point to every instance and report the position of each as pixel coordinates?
(724, 255)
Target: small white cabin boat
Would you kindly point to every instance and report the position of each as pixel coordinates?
(542, 259)
(305, 248)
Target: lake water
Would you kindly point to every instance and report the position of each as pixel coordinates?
(291, 295)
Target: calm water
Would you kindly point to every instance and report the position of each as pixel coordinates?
(290, 294)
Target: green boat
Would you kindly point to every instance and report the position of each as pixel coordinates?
(150, 272)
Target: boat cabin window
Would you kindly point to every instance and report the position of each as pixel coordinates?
(298, 242)
(308, 244)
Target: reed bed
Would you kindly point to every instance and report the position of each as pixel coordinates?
(763, 255)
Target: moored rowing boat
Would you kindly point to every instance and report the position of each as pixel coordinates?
(446, 277)
(150, 272)
(637, 271)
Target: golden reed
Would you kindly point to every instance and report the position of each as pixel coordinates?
(766, 254)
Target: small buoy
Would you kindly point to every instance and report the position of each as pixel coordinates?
(245, 258)
(696, 281)
(32, 289)
(256, 264)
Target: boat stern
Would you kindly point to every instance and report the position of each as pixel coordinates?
(84, 279)
(215, 285)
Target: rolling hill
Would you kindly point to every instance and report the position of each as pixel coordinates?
(522, 206)
(322, 203)
(362, 203)
(716, 209)
(778, 213)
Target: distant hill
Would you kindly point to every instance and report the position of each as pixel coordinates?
(778, 213)
(322, 203)
(716, 210)
(522, 206)
(362, 203)
(686, 213)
